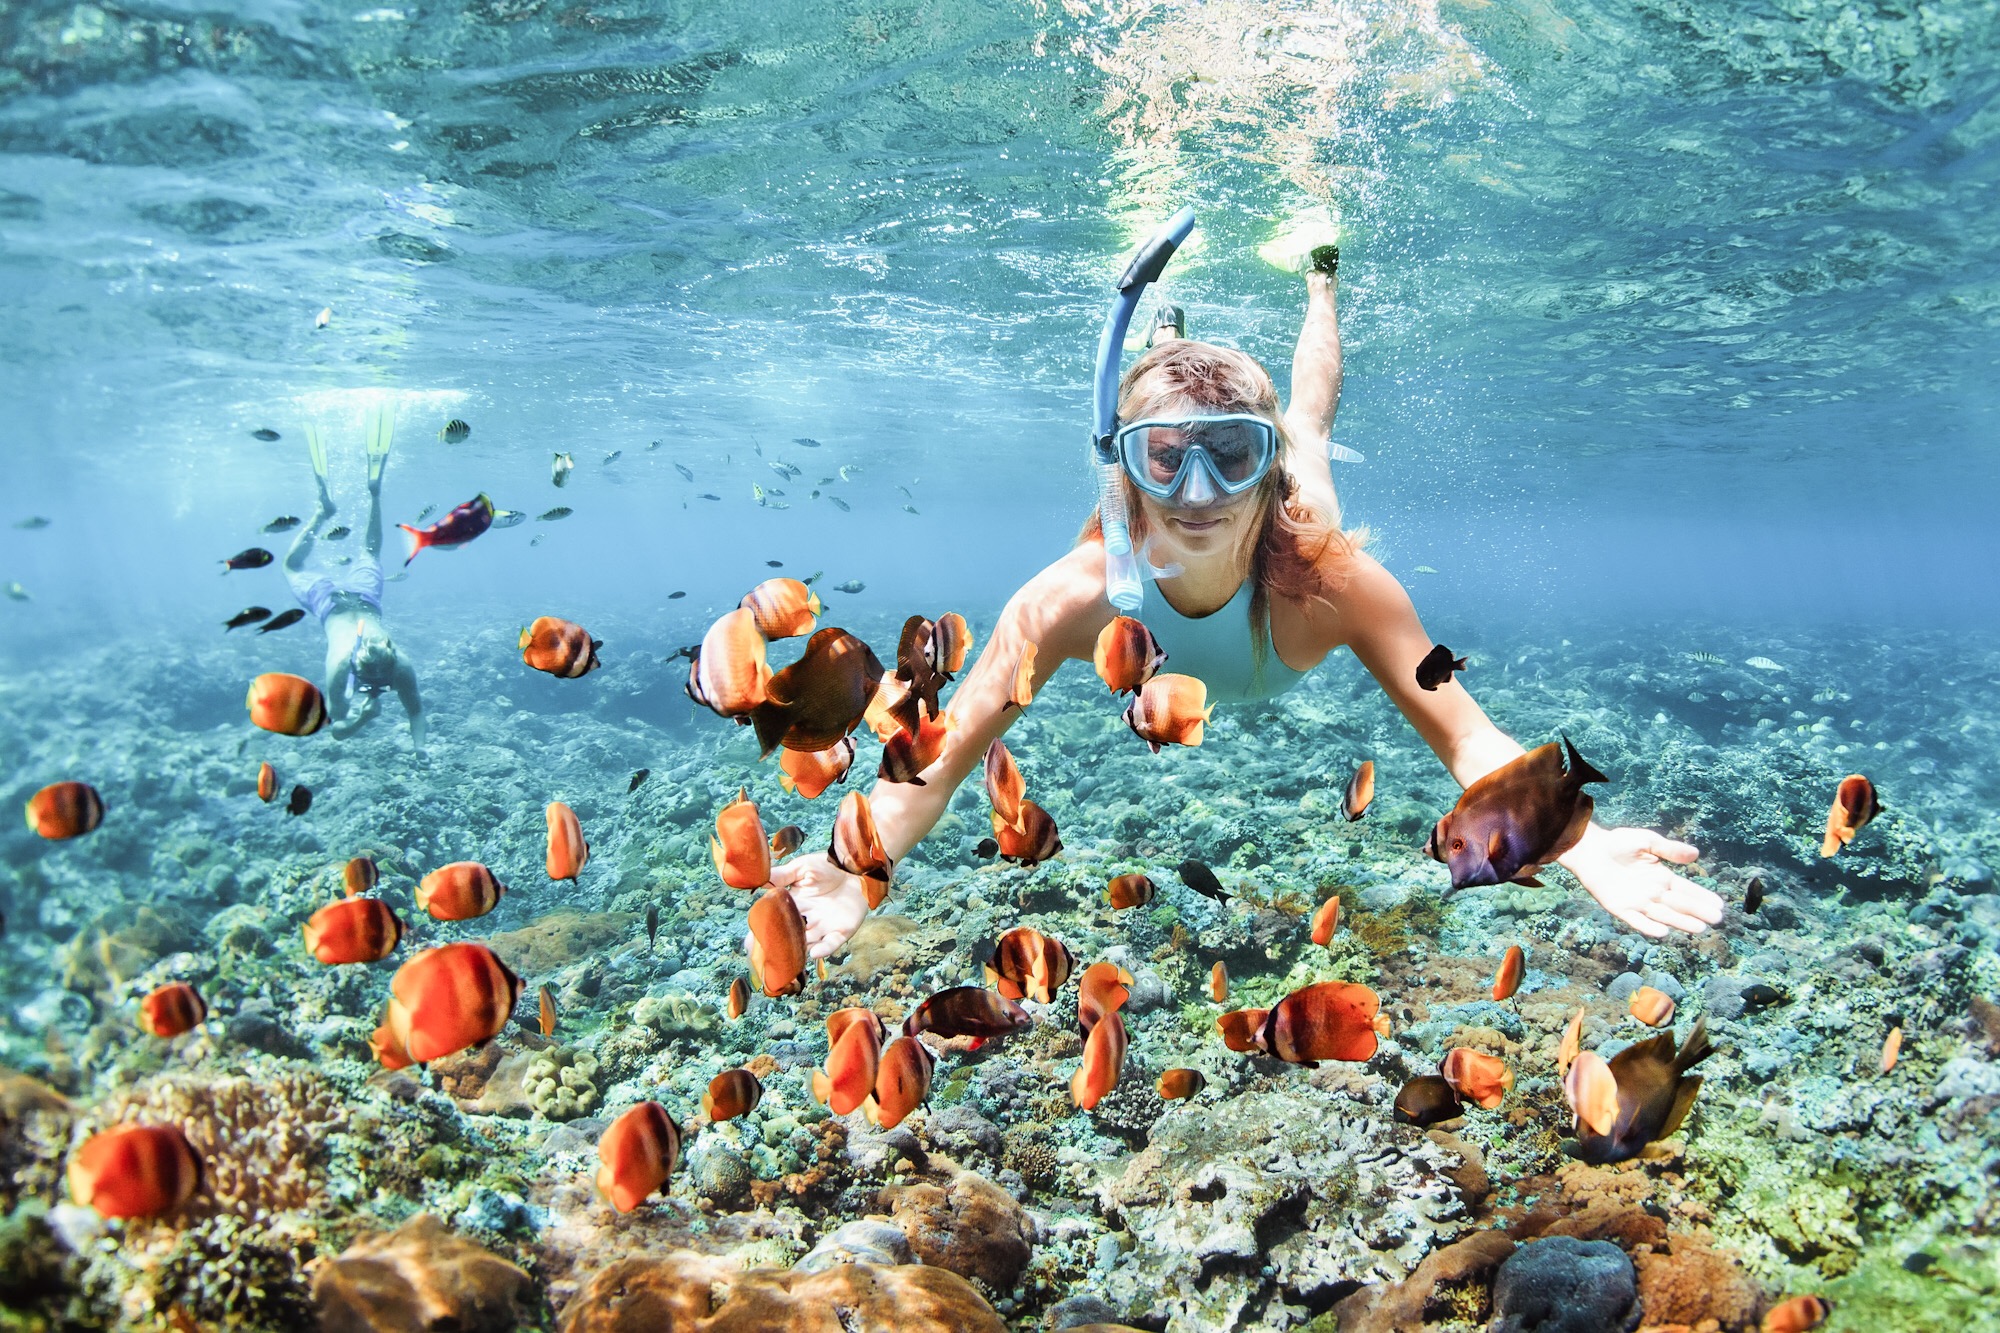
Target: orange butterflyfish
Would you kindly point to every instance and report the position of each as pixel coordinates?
(886, 710)
(902, 1082)
(65, 810)
(1103, 1061)
(782, 608)
(1177, 1084)
(1651, 1007)
(171, 1010)
(1133, 890)
(289, 705)
(447, 999)
(559, 647)
(739, 847)
(1476, 1076)
(135, 1171)
(1169, 710)
(1360, 791)
(1592, 1092)
(1102, 989)
(638, 1151)
(1021, 692)
(460, 891)
(1572, 1042)
(1892, 1046)
(1218, 983)
(1005, 787)
(857, 844)
(545, 1010)
(1508, 979)
(739, 997)
(810, 772)
(1028, 965)
(786, 841)
(1127, 655)
(267, 783)
(360, 875)
(906, 756)
(1326, 921)
(387, 1049)
(729, 673)
(950, 640)
(731, 1093)
(353, 930)
(568, 852)
(854, 1051)
(1243, 1029)
(1030, 843)
(1854, 804)
(1800, 1314)
(779, 933)
(1329, 1020)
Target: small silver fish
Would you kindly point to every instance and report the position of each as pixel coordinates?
(282, 523)
(840, 504)
(655, 444)
(686, 472)
(323, 318)
(426, 512)
(455, 431)
(781, 470)
(559, 469)
(536, 540)
(805, 441)
(32, 524)
(1763, 664)
(264, 433)
(828, 481)
(613, 457)
(343, 560)
(814, 578)
(1425, 569)
(847, 471)
(506, 518)
(17, 593)
(399, 576)
(337, 532)
(778, 504)
(560, 511)
(1706, 659)
(774, 491)
(706, 496)
(911, 509)
(852, 585)
(906, 490)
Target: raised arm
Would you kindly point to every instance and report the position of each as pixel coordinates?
(413, 702)
(1624, 868)
(1315, 393)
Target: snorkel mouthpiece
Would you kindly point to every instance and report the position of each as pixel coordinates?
(1122, 585)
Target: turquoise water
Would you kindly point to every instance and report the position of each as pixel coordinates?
(1668, 331)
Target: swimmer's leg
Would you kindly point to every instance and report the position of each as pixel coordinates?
(381, 433)
(302, 545)
(1169, 323)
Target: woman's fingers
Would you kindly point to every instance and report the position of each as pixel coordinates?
(1667, 849)
(1696, 901)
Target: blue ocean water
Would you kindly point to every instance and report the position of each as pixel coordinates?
(1669, 328)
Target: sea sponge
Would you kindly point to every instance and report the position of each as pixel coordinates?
(419, 1277)
(561, 938)
(562, 1083)
(691, 1292)
(676, 1015)
(968, 1225)
(1691, 1283)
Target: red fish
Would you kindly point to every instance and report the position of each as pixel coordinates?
(135, 1171)
(1005, 787)
(854, 1052)
(568, 853)
(857, 846)
(1169, 710)
(1892, 1046)
(287, 704)
(810, 772)
(729, 673)
(1022, 692)
(778, 944)
(1800, 1314)
(457, 528)
(1218, 983)
(638, 1151)
(902, 1082)
(913, 668)
(1177, 1084)
(782, 608)
(560, 647)
(1477, 1076)
(786, 841)
(1027, 964)
(1102, 989)
(1133, 890)
(1854, 804)
(1516, 819)
(1127, 655)
(950, 640)
(1033, 842)
(732, 1093)
(1103, 1061)
(739, 998)
(360, 875)
(1651, 1007)
(449, 998)
(353, 930)
(460, 891)
(1329, 1020)
(906, 755)
(267, 783)
(1513, 964)
(1242, 1029)
(739, 847)
(1326, 921)
(171, 1010)
(65, 810)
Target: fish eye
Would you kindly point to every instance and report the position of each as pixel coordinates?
(1458, 844)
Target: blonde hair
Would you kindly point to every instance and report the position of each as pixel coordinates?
(1288, 557)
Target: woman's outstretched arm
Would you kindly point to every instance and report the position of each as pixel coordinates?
(1315, 394)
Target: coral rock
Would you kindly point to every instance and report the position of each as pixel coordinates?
(1693, 1283)
(689, 1293)
(1563, 1285)
(970, 1226)
(419, 1278)
(1404, 1307)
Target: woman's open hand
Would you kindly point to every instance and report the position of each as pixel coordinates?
(1625, 869)
(832, 901)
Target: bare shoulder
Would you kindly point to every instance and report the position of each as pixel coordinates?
(1361, 596)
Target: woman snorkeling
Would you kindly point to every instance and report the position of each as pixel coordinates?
(360, 657)
(1232, 500)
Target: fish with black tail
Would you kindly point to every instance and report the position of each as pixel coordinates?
(283, 620)
(1753, 894)
(338, 532)
(652, 926)
(1516, 819)
(1203, 881)
(249, 615)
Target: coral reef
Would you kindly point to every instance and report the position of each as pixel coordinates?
(417, 1278)
(560, 1083)
(686, 1291)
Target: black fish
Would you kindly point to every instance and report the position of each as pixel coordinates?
(266, 434)
(1202, 880)
(690, 652)
(775, 564)
(291, 617)
(302, 800)
(967, 1011)
(638, 778)
(675, 595)
(282, 523)
(706, 496)
(254, 558)
(806, 440)
(1654, 1094)
(1753, 894)
(1437, 666)
(986, 848)
(249, 615)
(454, 431)
(684, 470)
(652, 925)
(560, 511)
(1426, 1100)
(337, 532)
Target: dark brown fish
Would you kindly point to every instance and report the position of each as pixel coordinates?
(254, 558)
(914, 669)
(985, 848)
(1203, 881)
(652, 926)
(967, 1011)
(1437, 666)
(249, 615)
(1516, 819)
(302, 800)
(1426, 1100)
(1655, 1092)
(1360, 791)
(638, 778)
(1753, 894)
(816, 701)
(283, 620)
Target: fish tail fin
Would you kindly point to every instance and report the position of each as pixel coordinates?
(1683, 1103)
(1580, 770)
(1696, 1048)
(822, 1087)
(872, 1109)
(417, 542)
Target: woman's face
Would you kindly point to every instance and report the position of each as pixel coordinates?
(1198, 523)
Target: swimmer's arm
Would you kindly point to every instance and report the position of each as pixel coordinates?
(413, 702)
(1316, 379)
(1060, 610)
(339, 697)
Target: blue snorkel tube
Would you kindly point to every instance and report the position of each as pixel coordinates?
(1122, 583)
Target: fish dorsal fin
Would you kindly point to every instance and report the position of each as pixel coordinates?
(1695, 1049)
(1580, 770)
(1683, 1103)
